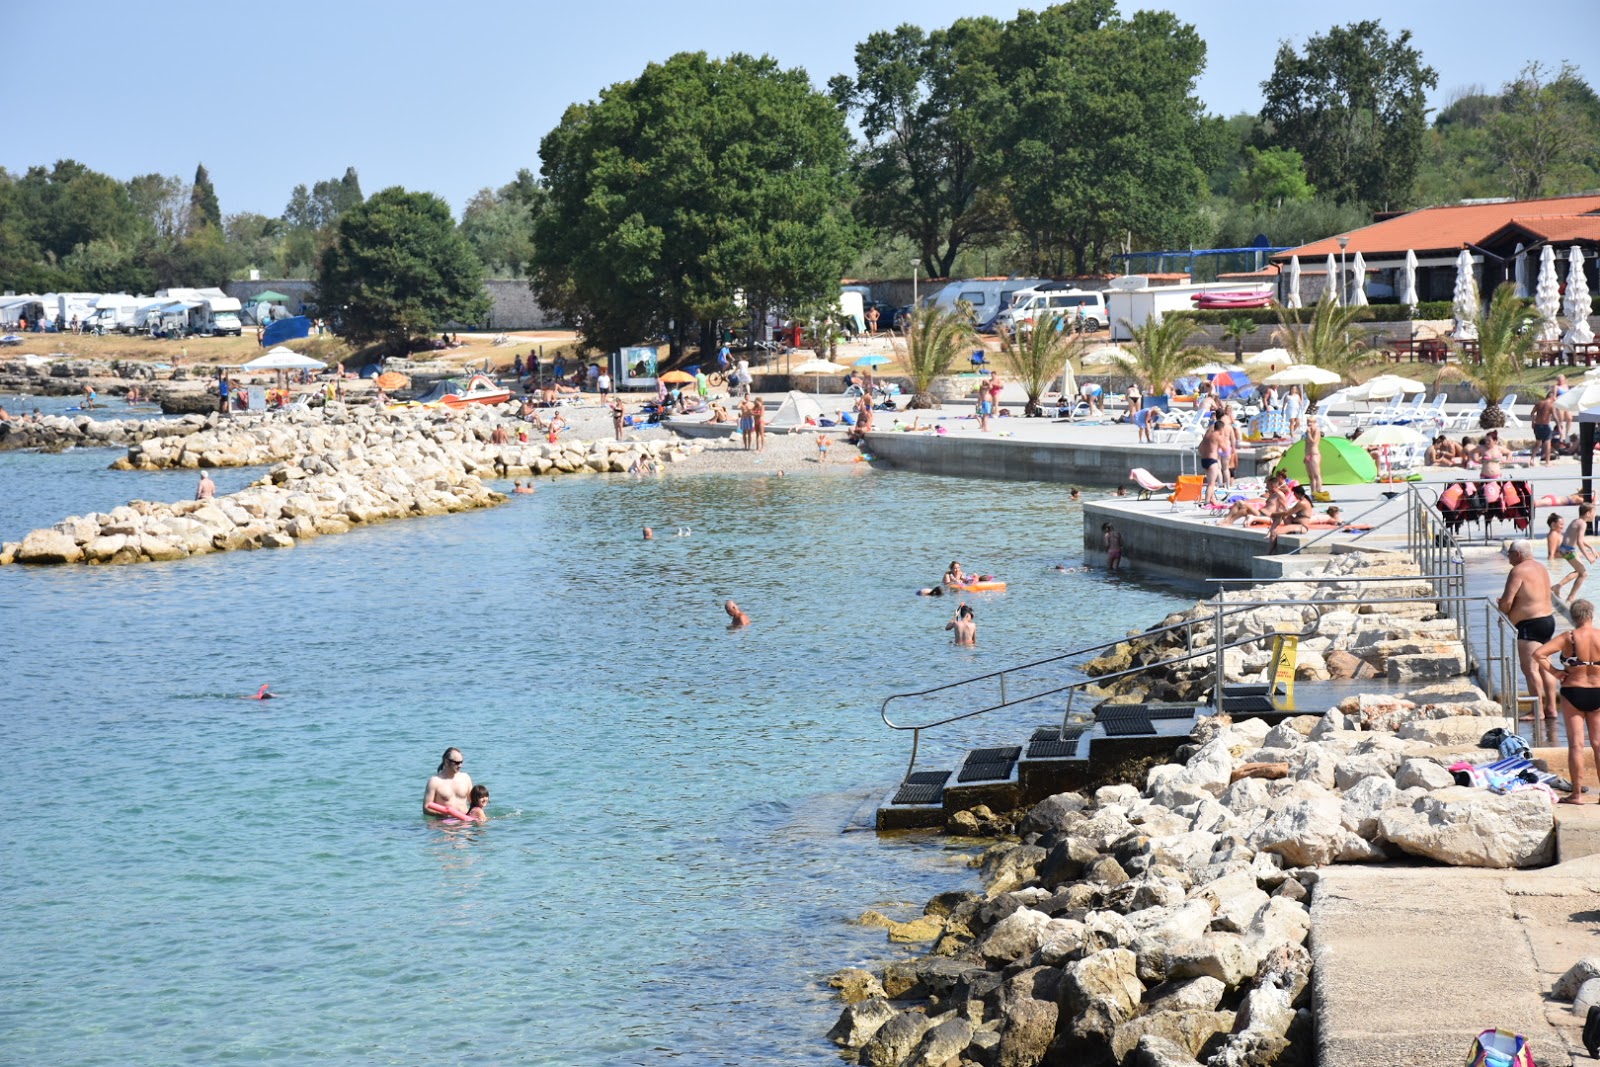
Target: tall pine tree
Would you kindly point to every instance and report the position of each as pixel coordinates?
(203, 207)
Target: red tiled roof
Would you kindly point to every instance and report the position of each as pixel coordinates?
(1444, 229)
(1558, 229)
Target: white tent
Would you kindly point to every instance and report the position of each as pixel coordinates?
(793, 412)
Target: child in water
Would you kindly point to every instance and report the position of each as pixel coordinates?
(1113, 546)
(479, 798)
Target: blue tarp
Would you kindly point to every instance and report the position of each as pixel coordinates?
(286, 330)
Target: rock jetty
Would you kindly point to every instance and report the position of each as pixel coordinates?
(1165, 926)
(336, 469)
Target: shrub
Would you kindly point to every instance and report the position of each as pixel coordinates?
(1432, 309)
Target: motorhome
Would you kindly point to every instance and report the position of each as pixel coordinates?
(1078, 308)
(113, 312)
(985, 296)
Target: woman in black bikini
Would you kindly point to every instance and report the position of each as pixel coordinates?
(1580, 689)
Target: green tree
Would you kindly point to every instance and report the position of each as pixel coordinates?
(204, 209)
(927, 347)
(1239, 327)
(1159, 351)
(925, 172)
(1290, 224)
(1354, 105)
(312, 215)
(398, 269)
(1275, 176)
(677, 190)
(1328, 340)
(1543, 132)
(498, 224)
(1040, 355)
(1100, 132)
(69, 205)
(161, 202)
(1506, 342)
(257, 241)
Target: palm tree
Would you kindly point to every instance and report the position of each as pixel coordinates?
(1037, 356)
(932, 340)
(1160, 351)
(1327, 341)
(1506, 339)
(1239, 327)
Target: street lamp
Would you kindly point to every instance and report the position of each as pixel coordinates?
(913, 286)
(1344, 242)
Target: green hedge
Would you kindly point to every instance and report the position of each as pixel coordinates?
(1434, 309)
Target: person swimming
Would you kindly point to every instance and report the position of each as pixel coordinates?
(479, 803)
(262, 694)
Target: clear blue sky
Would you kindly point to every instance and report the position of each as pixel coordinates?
(451, 97)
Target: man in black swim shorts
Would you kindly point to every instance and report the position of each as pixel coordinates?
(1526, 602)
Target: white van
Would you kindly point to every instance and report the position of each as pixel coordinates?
(985, 296)
(1079, 308)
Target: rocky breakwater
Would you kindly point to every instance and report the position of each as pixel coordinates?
(61, 376)
(1363, 630)
(1166, 926)
(54, 433)
(359, 468)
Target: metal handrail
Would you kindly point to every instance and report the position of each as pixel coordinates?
(883, 710)
(1345, 529)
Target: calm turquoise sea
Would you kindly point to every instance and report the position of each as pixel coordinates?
(194, 877)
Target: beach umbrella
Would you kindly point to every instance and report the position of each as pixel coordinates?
(1547, 296)
(1334, 281)
(1293, 299)
(1577, 306)
(1385, 386)
(1464, 302)
(1521, 272)
(1344, 462)
(1271, 357)
(1230, 382)
(1103, 355)
(393, 379)
(1583, 395)
(268, 297)
(1358, 281)
(817, 368)
(1390, 436)
(1408, 281)
(1210, 370)
(281, 358)
(1304, 374)
(677, 377)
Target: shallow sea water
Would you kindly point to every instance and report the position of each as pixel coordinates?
(193, 876)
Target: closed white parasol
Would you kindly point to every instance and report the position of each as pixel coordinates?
(1464, 302)
(1293, 298)
(1577, 302)
(1358, 281)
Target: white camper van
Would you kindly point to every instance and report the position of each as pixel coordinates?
(1077, 308)
(986, 296)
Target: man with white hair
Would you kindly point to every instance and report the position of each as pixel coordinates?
(1526, 602)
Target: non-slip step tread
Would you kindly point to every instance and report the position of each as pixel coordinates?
(989, 764)
(1055, 742)
(922, 787)
(1125, 720)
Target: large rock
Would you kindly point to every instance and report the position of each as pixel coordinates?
(1156, 1051)
(1195, 994)
(1222, 956)
(1015, 937)
(1364, 801)
(860, 1021)
(1475, 828)
(49, 546)
(1101, 992)
(1053, 813)
(941, 1044)
(1455, 730)
(1567, 986)
(1189, 1030)
(1418, 773)
(1028, 1012)
(1306, 832)
(895, 1039)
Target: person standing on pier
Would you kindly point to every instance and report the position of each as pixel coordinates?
(1580, 689)
(1526, 602)
(1314, 458)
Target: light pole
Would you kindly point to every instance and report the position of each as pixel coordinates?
(913, 287)
(1344, 242)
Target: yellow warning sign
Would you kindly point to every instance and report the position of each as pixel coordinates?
(1285, 658)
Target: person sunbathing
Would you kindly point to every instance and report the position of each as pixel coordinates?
(1277, 499)
(1294, 519)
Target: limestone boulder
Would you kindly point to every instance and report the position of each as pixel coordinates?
(1222, 956)
(1101, 992)
(1193, 994)
(1053, 813)
(1474, 828)
(859, 1021)
(49, 546)
(1364, 801)
(1028, 1009)
(1017, 936)
(892, 1042)
(1455, 730)
(1306, 832)
(1189, 1030)
(1155, 1051)
(1419, 773)
(1567, 986)
(856, 984)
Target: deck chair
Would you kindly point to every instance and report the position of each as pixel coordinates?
(1511, 417)
(1148, 483)
(1190, 489)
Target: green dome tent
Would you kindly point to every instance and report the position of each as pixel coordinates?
(1343, 462)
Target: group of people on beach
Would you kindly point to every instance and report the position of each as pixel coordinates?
(1569, 693)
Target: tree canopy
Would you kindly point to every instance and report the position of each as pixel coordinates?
(698, 180)
(1354, 106)
(398, 268)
